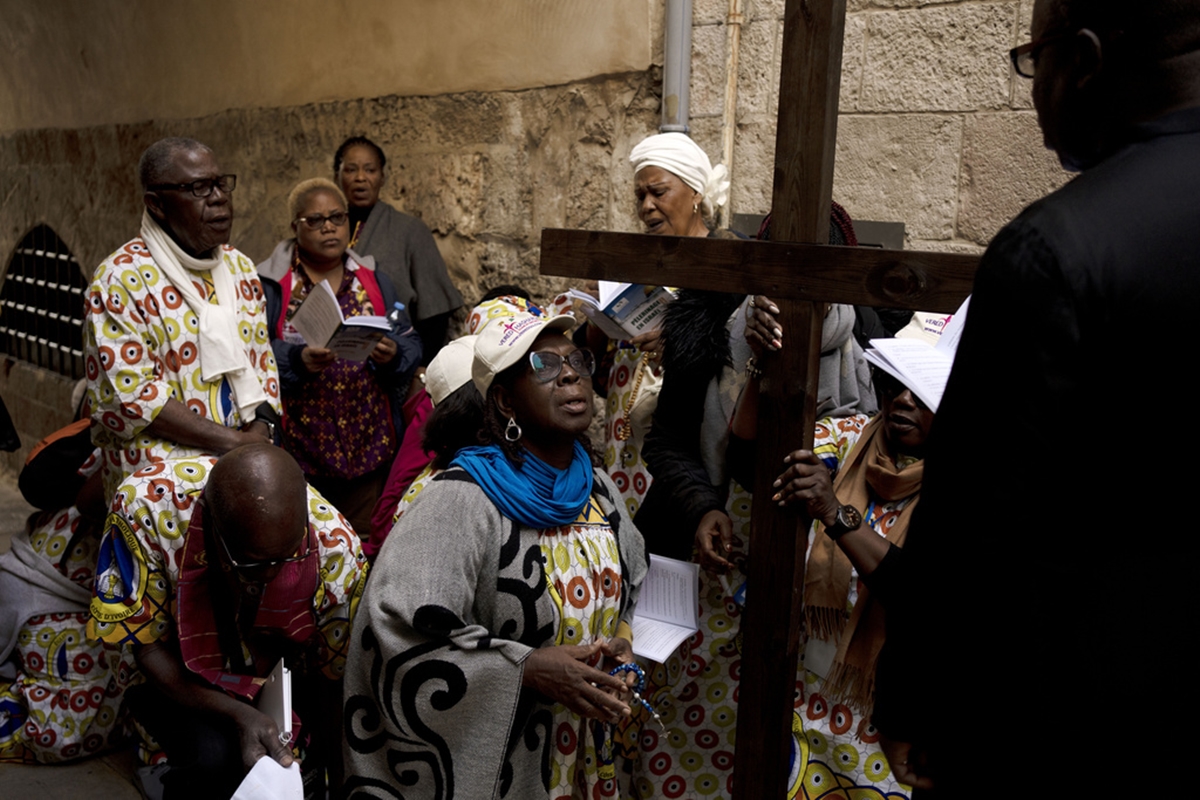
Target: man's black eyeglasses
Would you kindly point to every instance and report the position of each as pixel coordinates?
(1024, 58)
(547, 366)
(201, 188)
(259, 565)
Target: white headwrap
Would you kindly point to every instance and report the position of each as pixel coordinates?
(683, 158)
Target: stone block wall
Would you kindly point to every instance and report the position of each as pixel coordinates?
(935, 130)
(39, 402)
(485, 171)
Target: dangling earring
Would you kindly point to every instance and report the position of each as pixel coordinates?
(512, 431)
(695, 209)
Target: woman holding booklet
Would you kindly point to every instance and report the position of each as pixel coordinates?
(342, 419)
(678, 192)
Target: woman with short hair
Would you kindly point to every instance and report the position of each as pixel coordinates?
(342, 419)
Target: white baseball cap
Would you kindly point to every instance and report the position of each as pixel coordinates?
(505, 341)
(450, 369)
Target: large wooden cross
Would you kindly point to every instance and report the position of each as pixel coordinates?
(798, 270)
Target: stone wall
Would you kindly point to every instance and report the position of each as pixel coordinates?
(935, 132)
(485, 171)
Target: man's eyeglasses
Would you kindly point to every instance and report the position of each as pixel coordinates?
(201, 188)
(1024, 58)
(250, 566)
(547, 366)
(314, 222)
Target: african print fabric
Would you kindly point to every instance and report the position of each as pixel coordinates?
(339, 424)
(835, 751)
(459, 597)
(142, 348)
(623, 458)
(583, 569)
(140, 561)
(65, 701)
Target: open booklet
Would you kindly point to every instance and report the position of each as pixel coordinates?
(918, 365)
(625, 310)
(668, 609)
(319, 320)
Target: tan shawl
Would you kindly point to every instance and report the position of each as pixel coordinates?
(869, 473)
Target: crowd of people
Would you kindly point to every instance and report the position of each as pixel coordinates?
(430, 533)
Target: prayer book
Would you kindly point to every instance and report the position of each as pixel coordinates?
(275, 697)
(668, 609)
(319, 320)
(625, 310)
(920, 366)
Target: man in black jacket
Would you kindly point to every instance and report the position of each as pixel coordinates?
(1048, 620)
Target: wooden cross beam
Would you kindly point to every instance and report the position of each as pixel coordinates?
(798, 271)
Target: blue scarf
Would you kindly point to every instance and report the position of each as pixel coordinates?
(537, 495)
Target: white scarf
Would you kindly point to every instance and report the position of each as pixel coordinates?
(683, 158)
(222, 352)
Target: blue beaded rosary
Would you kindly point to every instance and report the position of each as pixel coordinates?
(638, 689)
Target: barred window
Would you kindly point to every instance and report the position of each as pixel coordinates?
(41, 304)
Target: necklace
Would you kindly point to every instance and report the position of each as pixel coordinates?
(624, 428)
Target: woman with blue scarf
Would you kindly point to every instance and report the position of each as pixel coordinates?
(487, 652)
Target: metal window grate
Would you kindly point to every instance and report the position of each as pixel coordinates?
(42, 304)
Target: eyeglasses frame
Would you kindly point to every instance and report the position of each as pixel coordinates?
(322, 219)
(197, 185)
(581, 372)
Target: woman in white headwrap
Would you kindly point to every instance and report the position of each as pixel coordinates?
(678, 192)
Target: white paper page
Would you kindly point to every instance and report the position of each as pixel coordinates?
(601, 320)
(319, 316)
(671, 592)
(369, 321)
(269, 781)
(584, 298)
(657, 640)
(922, 368)
(609, 291)
(948, 343)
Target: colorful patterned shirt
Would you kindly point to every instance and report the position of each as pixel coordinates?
(142, 346)
(140, 562)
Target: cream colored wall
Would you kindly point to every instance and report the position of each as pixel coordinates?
(76, 63)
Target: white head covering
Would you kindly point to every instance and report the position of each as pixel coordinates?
(683, 158)
(450, 369)
(504, 343)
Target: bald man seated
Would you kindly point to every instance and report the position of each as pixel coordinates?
(212, 579)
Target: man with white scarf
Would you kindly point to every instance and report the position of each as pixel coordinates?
(178, 359)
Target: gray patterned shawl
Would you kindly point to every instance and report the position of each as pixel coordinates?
(458, 598)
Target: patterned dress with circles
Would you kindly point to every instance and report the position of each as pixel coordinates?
(65, 700)
(583, 570)
(141, 344)
(623, 459)
(835, 753)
